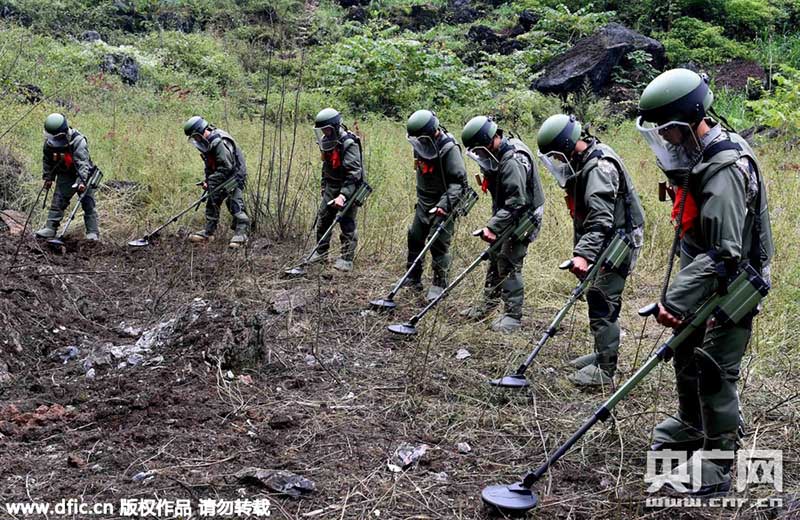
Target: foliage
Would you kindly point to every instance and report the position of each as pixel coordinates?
(750, 17)
(781, 107)
(393, 76)
(568, 25)
(695, 40)
(638, 73)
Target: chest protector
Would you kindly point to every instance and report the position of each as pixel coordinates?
(332, 160)
(519, 151)
(63, 157)
(240, 167)
(425, 167)
(626, 195)
(726, 152)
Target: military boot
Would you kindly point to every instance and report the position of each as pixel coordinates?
(583, 361)
(48, 230)
(238, 240)
(434, 291)
(92, 225)
(676, 434)
(590, 376)
(506, 324)
(343, 265)
(482, 309)
(715, 474)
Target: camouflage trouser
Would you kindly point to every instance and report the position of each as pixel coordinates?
(504, 276)
(235, 202)
(604, 299)
(62, 193)
(418, 233)
(347, 225)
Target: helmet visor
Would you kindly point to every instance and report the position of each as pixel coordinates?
(59, 140)
(559, 166)
(674, 144)
(199, 142)
(424, 147)
(327, 137)
(485, 159)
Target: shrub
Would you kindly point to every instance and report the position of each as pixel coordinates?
(749, 17)
(695, 40)
(781, 107)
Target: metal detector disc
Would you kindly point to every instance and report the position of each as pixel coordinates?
(56, 244)
(404, 329)
(512, 381)
(383, 305)
(139, 242)
(513, 498)
(295, 271)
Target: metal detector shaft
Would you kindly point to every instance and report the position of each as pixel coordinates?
(439, 228)
(72, 215)
(743, 296)
(483, 256)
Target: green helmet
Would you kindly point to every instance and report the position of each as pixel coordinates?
(422, 122)
(479, 131)
(677, 95)
(327, 117)
(194, 125)
(56, 124)
(559, 133)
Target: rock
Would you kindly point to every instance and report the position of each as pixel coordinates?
(281, 422)
(420, 17)
(279, 481)
(144, 476)
(288, 300)
(528, 18)
(464, 448)
(356, 13)
(461, 11)
(14, 221)
(407, 455)
(123, 66)
(352, 3)
(91, 36)
(5, 375)
(65, 354)
(462, 354)
(75, 461)
(593, 58)
(492, 42)
(177, 21)
(734, 74)
(29, 93)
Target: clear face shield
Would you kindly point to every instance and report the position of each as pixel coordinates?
(674, 144)
(559, 166)
(327, 137)
(56, 140)
(199, 142)
(424, 147)
(485, 158)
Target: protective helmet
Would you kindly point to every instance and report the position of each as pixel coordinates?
(669, 108)
(557, 138)
(55, 130)
(194, 127)
(326, 128)
(477, 137)
(421, 128)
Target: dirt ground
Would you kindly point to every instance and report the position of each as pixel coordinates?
(164, 371)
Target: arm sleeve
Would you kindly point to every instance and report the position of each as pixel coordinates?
(83, 164)
(512, 177)
(47, 165)
(351, 163)
(722, 217)
(224, 158)
(600, 196)
(455, 175)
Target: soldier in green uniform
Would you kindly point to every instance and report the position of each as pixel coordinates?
(509, 174)
(721, 209)
(441, 178)
(66, 162)
(342, 172)
(602, 201)
(223, 159)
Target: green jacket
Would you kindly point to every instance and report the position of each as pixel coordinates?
(730, 192)
(440, 181)
(515, 186)
(74, 160)
(341, 167)
(602, 199)
(224, 157)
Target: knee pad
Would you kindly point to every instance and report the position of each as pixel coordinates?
(242, 217)
(348, 224)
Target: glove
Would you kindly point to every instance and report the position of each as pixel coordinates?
(81, 188)
(48, 184)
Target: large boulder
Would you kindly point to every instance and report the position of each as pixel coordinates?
(124, 66)
(461, 11)
(491, 41)
(593, 58)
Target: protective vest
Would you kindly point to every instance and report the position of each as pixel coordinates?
(515, 148)
(63, 157)
(217, 138)
(333, 169)
(631, 209)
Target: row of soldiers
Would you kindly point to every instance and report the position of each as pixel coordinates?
(720, 209)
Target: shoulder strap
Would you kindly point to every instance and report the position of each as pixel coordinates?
(720, 146)
(624, 189)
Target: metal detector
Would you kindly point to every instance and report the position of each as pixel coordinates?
(524, 227)
(57, 243)
(358, 198)
(229, 184)
(743, 296)
(611, 259)
(464, 205)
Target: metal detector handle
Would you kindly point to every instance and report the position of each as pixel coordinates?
(649, 310)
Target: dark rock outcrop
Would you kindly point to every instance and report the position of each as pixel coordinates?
(123, 66)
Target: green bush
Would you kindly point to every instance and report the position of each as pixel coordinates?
(392, 76)
(695, 40)
(781, 107)
(749, 17)
(567, 25)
